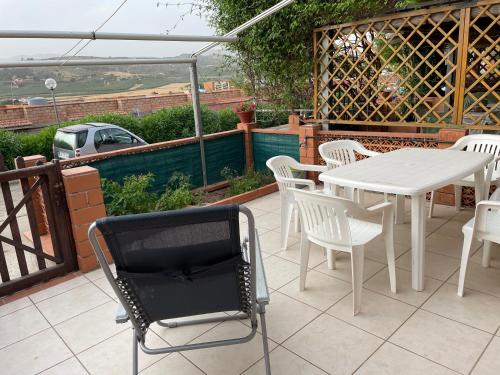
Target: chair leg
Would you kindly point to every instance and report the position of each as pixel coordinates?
(297, 220)
(267, 362)
(431, 205)
(361, 197)
(286, 218)
(486, 253)
(135, 354)
(304, 260)
(458, 197)
(330, 256)
(391, 262)
(468, 237)
(349, 193)
(357, 264)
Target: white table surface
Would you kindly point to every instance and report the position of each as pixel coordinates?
(408, 171)
(414, 172)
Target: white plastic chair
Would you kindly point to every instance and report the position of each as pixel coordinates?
(485, 226)
(489, 143)
(331, 222)
(282, 167)
(343, 152)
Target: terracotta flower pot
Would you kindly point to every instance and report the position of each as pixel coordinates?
(245, 116)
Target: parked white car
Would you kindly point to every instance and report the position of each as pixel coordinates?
(92, 138)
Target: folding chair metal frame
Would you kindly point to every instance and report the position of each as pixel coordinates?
(258, 287)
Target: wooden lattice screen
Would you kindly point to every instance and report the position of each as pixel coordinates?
(431, 67)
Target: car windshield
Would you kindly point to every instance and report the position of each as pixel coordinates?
(70, 141)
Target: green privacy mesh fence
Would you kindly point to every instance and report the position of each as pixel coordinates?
(228, 151)
(267, 145)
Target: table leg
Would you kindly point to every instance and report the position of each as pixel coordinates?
(418, 241)
(400, 209)
(479, 185)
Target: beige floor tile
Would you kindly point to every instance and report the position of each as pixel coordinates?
(431, 225)
(34, 354)
(70, 366)
(445, 212)
(271, 241)
(58, 289)
(18, 304)
(393, 360)
(21, 324)
(227, 360)
(380, 283)
(486, 280)
(106, 287)
(375, 250)
(285, 316)
(448, 245)
(266, 204)
(332, 345)
(343, 268)
(476, 309)
(279, 271)
(174, 364)
(184, 334)
(464, 215)
(321, 291)
(99, 273)
(316, 254)
(452, 228)
(268, 221)
(437, 266)
(444, 341)
(72, 303)
(494, 256)
(114, 355)
(284, 362)
(256, 212)
(489, 364)
(91, 327)
(379, 315)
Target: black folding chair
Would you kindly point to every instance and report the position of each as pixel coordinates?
(184, 263)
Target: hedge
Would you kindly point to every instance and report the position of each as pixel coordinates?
(164, 125)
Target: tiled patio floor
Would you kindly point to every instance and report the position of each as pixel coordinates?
(69, 328)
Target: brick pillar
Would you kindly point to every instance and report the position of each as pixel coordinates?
(294, 122)
(85, 205)
(308, 142)
(447, 137)
(247, 131)
(37, 198)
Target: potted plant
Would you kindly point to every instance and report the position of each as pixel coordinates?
(245, 111)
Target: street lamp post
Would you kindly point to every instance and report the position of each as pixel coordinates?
(51, 84)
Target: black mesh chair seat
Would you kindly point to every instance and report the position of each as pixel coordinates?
(180, 263)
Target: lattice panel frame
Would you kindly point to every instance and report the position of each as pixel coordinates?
(481, 76)
(426, 51)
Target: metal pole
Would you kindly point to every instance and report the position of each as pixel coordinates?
(55, 107)
(247, 24)
(198, 125)
(95, 35)
(43, 63)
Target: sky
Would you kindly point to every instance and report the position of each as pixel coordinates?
(136, 16)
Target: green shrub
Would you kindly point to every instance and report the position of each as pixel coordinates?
(227, 119)
(10, 147)
(274, 115)
(129, 122)
(177, 193)
(39, 143)
(251, 180)
(132, 197)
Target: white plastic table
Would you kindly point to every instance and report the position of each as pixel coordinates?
(413, 172)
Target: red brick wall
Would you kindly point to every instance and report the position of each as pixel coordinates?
(18, 116)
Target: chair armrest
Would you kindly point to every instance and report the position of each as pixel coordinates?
(496, 195)
(121, 314)
(334, 162)
(261, 282)
(360, 149)
(311, 167)
(298, 181)
(379, 207)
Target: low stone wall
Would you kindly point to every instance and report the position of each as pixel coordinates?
(29, 116)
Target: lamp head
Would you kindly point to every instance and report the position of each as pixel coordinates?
(50, 83)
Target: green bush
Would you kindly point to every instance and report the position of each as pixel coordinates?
(129, 122)
(130, 198)
(251, 180)
(10, 147)
(177, 193)
(39, 143)
(228, 119)
(274, 115)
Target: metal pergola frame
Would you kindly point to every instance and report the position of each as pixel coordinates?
(94, 35)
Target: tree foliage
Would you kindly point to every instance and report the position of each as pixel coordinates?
(275, 56)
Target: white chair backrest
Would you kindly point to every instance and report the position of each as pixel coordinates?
(342, 151)
(487, 143)
(324, 217)
(282, 166)
(485, 218)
